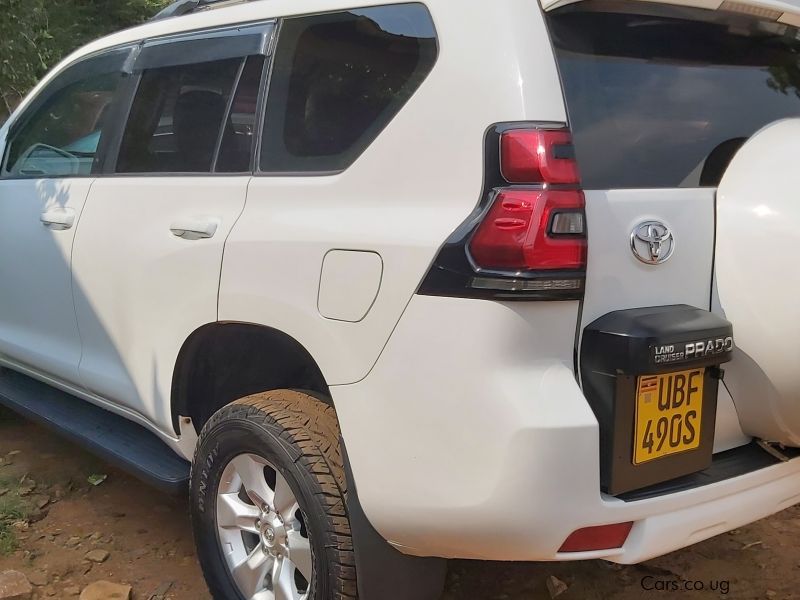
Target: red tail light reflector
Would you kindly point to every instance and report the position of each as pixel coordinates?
(604, 537)
(538, 156)
(532, 230)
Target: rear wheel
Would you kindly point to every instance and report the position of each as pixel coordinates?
(268, 501)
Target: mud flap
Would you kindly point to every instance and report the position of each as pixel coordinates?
(384, 573)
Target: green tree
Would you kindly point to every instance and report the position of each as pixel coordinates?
(36, 34)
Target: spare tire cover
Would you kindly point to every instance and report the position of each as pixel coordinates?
(758, 280)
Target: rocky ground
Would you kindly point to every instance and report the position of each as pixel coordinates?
(69, 522)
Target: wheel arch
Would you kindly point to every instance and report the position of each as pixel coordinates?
(222, 362)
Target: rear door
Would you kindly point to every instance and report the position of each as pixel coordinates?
(148, 256)
(660, 98)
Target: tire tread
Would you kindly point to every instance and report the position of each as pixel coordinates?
(311, 429)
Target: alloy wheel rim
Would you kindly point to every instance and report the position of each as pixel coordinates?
(262, 532)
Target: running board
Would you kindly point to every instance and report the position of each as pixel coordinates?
(121, 442)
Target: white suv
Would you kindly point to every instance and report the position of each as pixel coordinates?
(411, 281)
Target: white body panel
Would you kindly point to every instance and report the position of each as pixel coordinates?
(37, 316)
(757, 218)
(274, 255)
(140, 290)
(616, 280)
(490, 451)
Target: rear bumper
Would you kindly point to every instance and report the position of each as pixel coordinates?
(671, 522)
(470, 438)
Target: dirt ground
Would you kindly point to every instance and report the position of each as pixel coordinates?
(51, 517)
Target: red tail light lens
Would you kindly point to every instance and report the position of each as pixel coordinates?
(538, 156)
(603, 537)
(532, 229)
(526, 239)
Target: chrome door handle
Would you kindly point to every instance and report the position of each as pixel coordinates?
(58, 219)
(194, 229)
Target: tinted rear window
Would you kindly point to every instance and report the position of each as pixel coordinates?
(338, 80)
(663, 96)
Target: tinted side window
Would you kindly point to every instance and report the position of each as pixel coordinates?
(338, 80)
(60, 134)
(176, 118)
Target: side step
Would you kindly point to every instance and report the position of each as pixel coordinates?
(121, 442)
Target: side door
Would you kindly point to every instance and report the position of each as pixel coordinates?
(49, 166)
(147, 261)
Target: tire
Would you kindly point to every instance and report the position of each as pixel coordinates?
(285, 438)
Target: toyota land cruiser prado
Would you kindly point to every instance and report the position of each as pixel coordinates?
(388, 284)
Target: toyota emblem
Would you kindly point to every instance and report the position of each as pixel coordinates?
(652, 242)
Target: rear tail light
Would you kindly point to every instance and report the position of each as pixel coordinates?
(532, 229)
(603, 537)
(527, 239)
(538, 156)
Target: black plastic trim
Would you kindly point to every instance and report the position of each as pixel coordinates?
(228, 108)
(206, 45)
(622, 345)
(725, 465)
(121, 442)
(453, 270)
(110, 144)
(263, 95)
(382, 571)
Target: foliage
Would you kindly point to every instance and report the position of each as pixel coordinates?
(785, 78)
(12, 509)
(36, 34)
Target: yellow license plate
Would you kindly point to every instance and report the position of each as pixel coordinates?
(668, 412)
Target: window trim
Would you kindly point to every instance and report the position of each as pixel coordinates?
(263, 98)
(120, 114)
(227, 114)
(175, 49)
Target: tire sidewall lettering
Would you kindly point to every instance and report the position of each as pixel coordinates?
(204, 476)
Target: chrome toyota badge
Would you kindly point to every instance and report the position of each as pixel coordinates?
(652, 242)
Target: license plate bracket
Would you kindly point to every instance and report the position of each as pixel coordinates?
(622, 346)
(622, 474)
